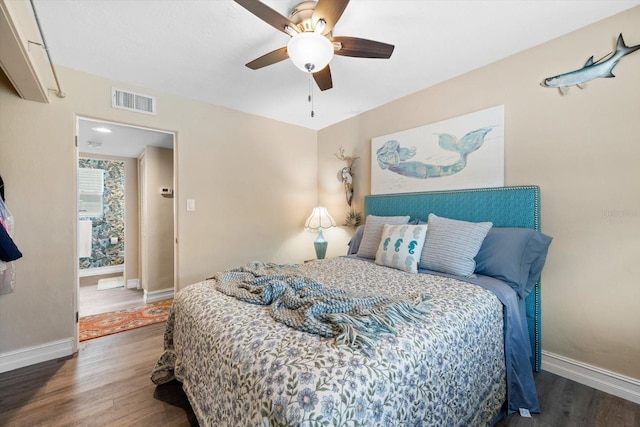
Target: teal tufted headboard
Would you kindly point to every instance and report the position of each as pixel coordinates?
(504, 206)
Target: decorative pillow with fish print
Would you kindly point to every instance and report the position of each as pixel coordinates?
(401, 246)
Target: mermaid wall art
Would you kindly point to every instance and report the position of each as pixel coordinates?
(463, 152)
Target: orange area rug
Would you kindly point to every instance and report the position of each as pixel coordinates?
(99, 325)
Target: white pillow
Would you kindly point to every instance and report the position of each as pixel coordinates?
(400, 246)
(451, 245)
(372, 232)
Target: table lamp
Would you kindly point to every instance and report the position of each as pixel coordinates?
(318, 220)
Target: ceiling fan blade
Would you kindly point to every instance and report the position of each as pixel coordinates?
(267, 14)
(323, 78)
(269, 58)
(330, 11)
(363, 48)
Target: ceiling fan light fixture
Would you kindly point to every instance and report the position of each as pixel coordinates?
(310, 52)
(320, 26)
(290, 30)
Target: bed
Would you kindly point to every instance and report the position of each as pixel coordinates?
(420, 347)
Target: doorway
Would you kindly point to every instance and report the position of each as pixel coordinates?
(109, 256)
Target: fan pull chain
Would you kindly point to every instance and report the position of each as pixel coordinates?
(310, 98)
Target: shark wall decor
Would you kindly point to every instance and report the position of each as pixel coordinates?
(602, 68)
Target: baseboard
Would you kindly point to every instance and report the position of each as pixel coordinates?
(155, 296)
(601, 379)
(133, 284)
(36, 354)
(98, 271)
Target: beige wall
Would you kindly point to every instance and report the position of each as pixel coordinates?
(581, 149)
(254, 181)
(158, 171)
(131, 225)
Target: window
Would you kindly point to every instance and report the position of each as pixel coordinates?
(90, 192)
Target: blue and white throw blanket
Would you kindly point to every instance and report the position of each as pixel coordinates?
(307, 305)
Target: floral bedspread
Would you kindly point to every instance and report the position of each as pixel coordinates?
(239, 367)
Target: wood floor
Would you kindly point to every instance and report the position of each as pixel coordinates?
(565, 403)
(92, 301)
(107, 384)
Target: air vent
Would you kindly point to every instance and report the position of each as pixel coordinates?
(132, 101)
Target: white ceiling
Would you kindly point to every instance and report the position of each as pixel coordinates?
(197, 49)
(121, 141)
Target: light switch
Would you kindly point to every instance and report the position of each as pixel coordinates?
(191, 205)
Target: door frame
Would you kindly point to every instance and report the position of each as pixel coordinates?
(174, 134)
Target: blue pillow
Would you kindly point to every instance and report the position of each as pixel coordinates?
(515, 256)
(354, 243)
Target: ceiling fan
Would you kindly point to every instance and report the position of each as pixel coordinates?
(312, 44)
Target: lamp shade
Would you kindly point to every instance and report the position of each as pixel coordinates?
(309, 51)
(319, 218)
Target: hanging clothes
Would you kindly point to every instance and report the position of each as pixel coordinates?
(9, 252)
(8, 249)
